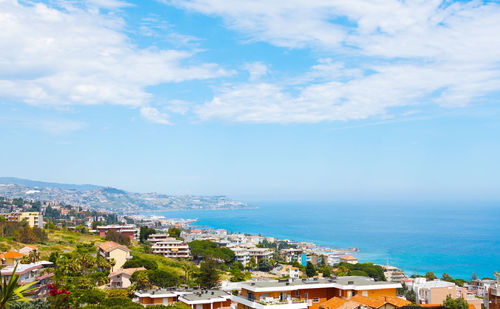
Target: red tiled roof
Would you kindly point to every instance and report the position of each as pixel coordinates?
(12, 255)
(396, 301)
(368, 301)
(111, 245)
(333, 303)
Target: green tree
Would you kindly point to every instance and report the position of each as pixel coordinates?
(358, 273)
(252, 264)
(174, 232)
(236, 274)
(430, 276)
(141, 280)
(145, 232)
(458, 303)
(411, 296)
(162, 278)
(265, 265)
(118, 237)
(209, 274)
(310, 270)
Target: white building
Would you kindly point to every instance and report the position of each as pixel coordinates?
(241, 255)
(171, 248)
(433, 292)
(293, 272)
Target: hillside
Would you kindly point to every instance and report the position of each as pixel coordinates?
(108, 198)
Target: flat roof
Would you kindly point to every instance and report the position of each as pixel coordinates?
(205, 296)
(343, 283)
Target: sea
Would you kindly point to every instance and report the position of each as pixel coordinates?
(454, 238)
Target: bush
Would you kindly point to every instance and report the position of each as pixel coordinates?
(92, 296)
(140, 262)
(163, 278)
(117, 237)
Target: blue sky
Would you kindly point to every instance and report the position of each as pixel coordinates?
(258, 100)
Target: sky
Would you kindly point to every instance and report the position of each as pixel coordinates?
(259, 100)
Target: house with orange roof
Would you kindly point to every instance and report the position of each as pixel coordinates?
(11, 258)
(113, 251)
(348, 259)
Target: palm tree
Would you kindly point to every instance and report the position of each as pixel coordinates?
(11, 292)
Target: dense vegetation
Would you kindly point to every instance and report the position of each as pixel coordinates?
(201, 249)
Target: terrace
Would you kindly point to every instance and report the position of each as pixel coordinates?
(270, 302)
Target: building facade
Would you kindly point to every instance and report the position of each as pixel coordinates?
(34, 219)
(171, 248)
(113, 251)
(494, 294)
(309, 293)
(129, 230)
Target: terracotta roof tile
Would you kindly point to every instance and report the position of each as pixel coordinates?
(396, 301)
(368, 301)
(111, 245)
(333, 303)
(13, 255)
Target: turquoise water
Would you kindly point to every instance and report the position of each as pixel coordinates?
(453, 238)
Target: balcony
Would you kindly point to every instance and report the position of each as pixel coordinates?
(271, 303)
(495, 290)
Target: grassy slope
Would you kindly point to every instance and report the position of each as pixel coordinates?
(59, 240)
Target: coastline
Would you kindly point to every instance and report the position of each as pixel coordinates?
(413, 240)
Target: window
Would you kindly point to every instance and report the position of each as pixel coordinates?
(316, 300)
(306, 296)
(297, 293)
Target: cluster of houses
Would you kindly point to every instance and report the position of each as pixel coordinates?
(350, 292)
(246, 247)
(39, 271)
(326, 293)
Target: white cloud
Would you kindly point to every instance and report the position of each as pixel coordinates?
(256, 70)
(154, 115)
(401, 53)
(80, 56)
(52, 126)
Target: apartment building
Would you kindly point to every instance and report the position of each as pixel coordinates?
(309, 293)
(260, 253)
(494, 294)
(433, 292)
(393, 274)
(154, 238)
(171, 248)
(241, 255)
(34, 219)
(129, 230)
(119, 253)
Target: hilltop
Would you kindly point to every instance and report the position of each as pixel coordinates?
(109, 198)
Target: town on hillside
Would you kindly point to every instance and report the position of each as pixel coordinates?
(59, 256)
